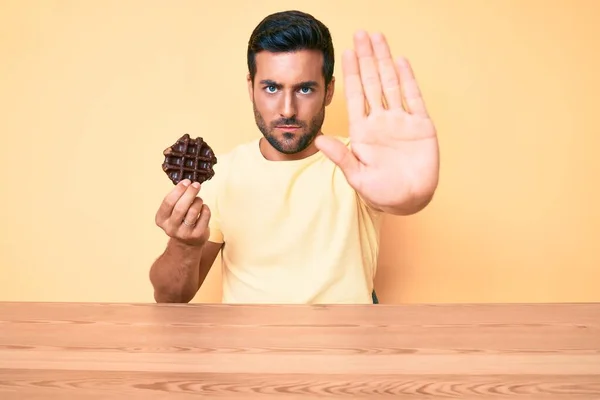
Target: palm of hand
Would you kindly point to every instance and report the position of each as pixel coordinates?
(393, 157)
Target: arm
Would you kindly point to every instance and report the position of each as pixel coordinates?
(179, 272)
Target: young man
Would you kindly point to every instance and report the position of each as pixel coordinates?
(295, 213)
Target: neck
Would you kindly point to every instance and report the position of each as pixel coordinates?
(272, 154)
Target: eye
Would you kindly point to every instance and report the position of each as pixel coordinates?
(271, 89)
(306, 90)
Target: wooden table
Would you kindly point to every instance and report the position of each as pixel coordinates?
(148, 351)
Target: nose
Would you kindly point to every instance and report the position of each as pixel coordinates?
(288, 108)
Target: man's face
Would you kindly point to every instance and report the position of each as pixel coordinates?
(289, 98)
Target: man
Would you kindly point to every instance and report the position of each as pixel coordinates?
(295, 213)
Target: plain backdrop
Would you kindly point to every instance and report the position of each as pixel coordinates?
(91, 92)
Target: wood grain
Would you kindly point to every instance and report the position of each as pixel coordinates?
(155, 351)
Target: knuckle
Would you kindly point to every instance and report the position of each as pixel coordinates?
(171, 198)
(197, 206)
(169, 202)
(180, 208)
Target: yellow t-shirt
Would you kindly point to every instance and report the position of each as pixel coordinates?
(293, 231)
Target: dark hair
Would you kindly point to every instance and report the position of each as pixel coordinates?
(288, 31)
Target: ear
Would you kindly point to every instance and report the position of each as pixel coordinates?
(330, 91)
(250, 88)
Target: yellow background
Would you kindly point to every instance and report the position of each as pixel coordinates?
(91, 92)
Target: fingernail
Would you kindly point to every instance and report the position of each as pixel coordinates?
(185, 182)
(196, 185)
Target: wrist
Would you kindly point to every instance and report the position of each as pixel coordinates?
(187, 248)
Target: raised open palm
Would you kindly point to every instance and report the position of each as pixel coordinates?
(393, 160)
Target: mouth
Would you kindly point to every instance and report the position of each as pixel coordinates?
(288, 127)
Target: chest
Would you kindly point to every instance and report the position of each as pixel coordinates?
(285, 201)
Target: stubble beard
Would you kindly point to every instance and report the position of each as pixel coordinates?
(292, 142)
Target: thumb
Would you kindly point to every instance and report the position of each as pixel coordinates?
(341, 155)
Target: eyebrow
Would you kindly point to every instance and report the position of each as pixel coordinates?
(270, 82)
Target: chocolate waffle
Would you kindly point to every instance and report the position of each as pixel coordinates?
(189, 158)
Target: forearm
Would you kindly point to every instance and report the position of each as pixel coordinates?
(175, 274)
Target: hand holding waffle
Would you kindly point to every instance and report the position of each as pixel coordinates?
(183, 215)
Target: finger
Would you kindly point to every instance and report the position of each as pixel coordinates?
(368, 70)
(183, 204)
(387, 72)
(341, 155)
(192, 215)
(203, 220)
(166, 207)
(410, 89)
(355, 98)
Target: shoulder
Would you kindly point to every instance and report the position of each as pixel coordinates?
(238, 150)
(234, 155)
(226, 160)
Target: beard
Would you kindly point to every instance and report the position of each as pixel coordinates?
(291, 142)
